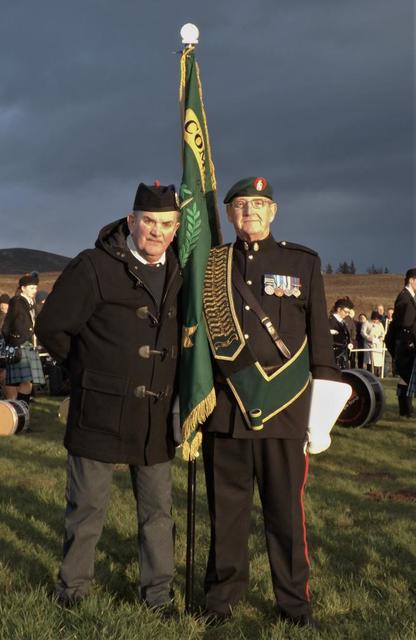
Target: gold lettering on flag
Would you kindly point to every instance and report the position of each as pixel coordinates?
(193, 136)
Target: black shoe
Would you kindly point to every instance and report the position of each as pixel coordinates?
(212, 618)
(166, 611)
(68, 602)
(302, 620)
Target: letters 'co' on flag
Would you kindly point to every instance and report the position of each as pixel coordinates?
(199, 231)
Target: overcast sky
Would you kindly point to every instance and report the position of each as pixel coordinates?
(315, 95)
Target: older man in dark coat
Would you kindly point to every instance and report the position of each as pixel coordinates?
(111, 319)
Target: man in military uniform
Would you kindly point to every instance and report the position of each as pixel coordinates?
(404, 329)
(340, 332)
(111, 319)
(258, 429)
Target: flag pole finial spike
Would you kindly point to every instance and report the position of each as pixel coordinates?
(190, 34)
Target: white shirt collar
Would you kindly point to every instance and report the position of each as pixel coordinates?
(410, 290)
(338, 317)
(136, 254)
(29, 300)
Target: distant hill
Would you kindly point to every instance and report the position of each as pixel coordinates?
(19, 261)
(365, 290)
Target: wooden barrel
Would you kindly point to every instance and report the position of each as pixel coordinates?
(14, 417)
(366, 404)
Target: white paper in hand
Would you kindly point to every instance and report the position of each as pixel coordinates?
(328, 399)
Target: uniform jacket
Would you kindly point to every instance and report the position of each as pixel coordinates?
(293, 317)
(341, 339)
(94, 322)
(18, 324)
(404, 321)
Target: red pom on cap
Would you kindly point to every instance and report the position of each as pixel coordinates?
(156, 183)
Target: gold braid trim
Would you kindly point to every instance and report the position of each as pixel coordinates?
(182, 83)
(211, 164)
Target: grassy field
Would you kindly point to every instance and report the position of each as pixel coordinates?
(360, 505)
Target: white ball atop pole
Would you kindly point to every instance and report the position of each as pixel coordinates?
(189, 33)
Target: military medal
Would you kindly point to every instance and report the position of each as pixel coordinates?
(280, 285)
(269, 284)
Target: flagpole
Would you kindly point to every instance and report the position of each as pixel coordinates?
(190, 34)
(190, 537)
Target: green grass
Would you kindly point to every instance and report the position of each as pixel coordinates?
(360, 505)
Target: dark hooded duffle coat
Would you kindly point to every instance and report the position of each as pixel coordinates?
(98, 316)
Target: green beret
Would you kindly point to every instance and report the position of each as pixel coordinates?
(253, 186)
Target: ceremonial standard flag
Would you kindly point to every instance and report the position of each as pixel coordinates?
(199, 231)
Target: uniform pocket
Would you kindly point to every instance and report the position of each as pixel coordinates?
(292, 316)
(102, 401)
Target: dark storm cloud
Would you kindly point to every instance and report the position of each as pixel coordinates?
(317, 96)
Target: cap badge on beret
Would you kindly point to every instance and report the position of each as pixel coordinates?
(260, 184)
(250, 187)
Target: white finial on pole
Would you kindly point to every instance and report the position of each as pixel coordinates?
(189, 33)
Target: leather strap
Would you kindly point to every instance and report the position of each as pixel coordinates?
(249, 297)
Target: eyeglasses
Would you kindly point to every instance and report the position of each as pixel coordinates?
(256, 204)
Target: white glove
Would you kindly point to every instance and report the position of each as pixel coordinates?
(328, 399)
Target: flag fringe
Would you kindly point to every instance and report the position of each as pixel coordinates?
(198, 415)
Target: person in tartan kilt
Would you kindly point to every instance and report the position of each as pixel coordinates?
(18, 331)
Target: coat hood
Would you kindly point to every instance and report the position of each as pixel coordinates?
(113, 237)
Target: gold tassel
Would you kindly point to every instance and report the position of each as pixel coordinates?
(187, 332)
(190, 450)
(198, 415)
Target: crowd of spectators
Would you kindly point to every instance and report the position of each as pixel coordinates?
(359, 342)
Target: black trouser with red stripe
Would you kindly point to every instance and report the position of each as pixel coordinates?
(280, 468)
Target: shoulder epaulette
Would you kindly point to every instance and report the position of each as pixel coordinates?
(298, 247)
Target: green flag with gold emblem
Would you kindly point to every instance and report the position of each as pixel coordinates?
(199, 231)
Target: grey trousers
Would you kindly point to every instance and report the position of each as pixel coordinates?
(87, 494)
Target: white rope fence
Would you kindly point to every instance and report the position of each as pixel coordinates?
(373, 350)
